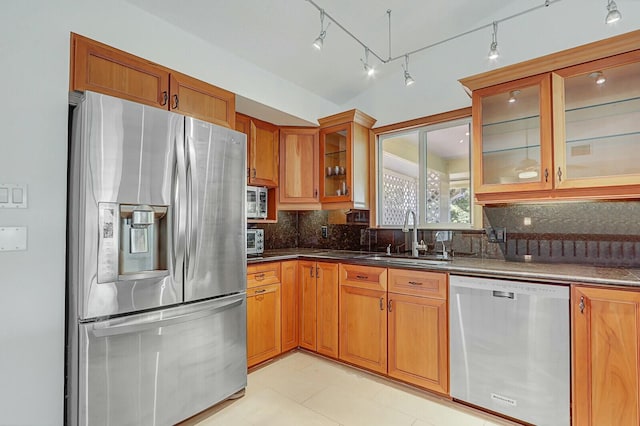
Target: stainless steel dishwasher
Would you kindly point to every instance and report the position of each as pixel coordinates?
(509, 348)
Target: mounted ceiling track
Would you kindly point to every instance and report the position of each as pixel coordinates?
(611, 6)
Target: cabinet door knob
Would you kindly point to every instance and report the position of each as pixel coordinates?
(315, 193)
(546, 175)
(311, 272)
(165, 97)
(581, 305)
(382, 303)
(254, 172)
(175, 101)
(559, 175)
(390, 305)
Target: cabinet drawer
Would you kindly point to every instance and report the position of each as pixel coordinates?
(418, 283)
(263, 274)
(369, 277)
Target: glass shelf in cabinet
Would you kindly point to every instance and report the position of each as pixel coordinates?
(334, 153)
(604, 137)
(605, 109)
(514, 149)
(512, 120)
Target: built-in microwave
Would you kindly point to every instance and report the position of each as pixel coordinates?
(256, 202)
(255, 241)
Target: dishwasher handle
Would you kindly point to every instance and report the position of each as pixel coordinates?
(504, 294)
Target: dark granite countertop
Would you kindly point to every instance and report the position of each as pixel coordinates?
(557, 273)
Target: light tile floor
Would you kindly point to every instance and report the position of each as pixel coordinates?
(303, 389)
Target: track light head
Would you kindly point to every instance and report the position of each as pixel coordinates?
(323, 32)
(320, 40)
(368, 68)
(613, 14)
(408, 80)
(493, 48)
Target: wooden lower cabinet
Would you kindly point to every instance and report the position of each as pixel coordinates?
(363, 316)
(263, 323)
(319, 307)
(605, 356)
(418, 343)
(289, 291)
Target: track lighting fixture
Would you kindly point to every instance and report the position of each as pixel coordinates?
(598, 77)
(512, 96)
(408, 80)
(368, 68)
(323, 32)
(613, 14)
(493, 49)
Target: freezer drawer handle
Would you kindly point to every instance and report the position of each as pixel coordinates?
(505, 294)
(106, 331)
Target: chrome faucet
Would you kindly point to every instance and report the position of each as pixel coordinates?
(405, 228)
(445, 255)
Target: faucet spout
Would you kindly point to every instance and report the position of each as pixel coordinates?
(405, 228)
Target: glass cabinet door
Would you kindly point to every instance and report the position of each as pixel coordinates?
(335, 156)
(512, 136)
(597, 133)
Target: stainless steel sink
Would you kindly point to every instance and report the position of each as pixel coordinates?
(407, 260)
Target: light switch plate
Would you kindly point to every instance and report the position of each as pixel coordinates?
(13, 238)
(15, 195)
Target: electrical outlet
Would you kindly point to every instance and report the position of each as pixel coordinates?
(496, 235)
(325, 231)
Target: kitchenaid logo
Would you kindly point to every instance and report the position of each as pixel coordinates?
(504, 400)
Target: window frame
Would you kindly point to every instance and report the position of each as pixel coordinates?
(425, 124)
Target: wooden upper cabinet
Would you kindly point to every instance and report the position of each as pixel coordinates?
(262, 150)
(201, 100)
(605, 356)
(104, 69)
(563, 126)
(299, 168)
(346, 141)
(512, 143)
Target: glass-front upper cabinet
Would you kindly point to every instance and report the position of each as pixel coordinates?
(335, 157)
(512, 136)
(597, 123)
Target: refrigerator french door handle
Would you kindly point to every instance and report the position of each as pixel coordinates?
(106, 330)
(180, 202)
(192, 205)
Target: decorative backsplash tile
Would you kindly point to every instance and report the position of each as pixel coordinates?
(598, 233)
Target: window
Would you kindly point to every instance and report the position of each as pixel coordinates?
(426, 170)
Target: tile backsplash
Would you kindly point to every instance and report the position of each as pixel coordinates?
(600, 233)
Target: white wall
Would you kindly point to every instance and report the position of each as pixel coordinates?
(562, 25)
(34, 47)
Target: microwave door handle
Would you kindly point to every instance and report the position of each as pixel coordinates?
(179, 206)
(192, 206)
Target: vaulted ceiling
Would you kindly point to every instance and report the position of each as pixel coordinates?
(277, 35)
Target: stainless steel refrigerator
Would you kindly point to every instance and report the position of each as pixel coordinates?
(156, 300)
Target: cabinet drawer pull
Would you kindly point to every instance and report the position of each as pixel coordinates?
(415, 283)
(175, 101)
(581, 305)
(259, 277)
(260, 291)
(165, 97)
(362, 277)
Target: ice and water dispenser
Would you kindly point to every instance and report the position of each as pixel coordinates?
(133, 242)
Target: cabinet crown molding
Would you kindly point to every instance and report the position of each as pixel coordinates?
(577, 55)
(353, 115)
